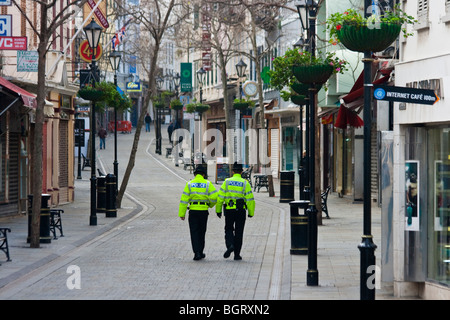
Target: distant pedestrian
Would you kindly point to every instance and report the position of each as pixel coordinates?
(148, 120)
(200, 195)
(236, 196)
(170, 129)
(102, 135)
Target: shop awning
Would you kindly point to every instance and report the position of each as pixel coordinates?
(358, 88)
(28, 99)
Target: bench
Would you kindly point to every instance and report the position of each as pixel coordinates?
(324, 198)
(4, 241)
(168, 151)
(86, 162)
(247, 175)
(261, 180)
(56, 222)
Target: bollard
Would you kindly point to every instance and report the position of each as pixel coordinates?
(44, 220)
(111, 210)
(287, 186)
(299, 228)
(101, 194)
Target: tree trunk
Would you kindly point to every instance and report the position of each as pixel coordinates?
(38, 132)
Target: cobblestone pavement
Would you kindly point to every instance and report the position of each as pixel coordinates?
(145, 253)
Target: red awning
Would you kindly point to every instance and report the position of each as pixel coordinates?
(358, 88)
(28, 99)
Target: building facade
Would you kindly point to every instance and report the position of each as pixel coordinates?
(421, 158)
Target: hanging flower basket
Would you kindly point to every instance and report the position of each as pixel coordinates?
(158, 105)
(200, 108)
(318, 74)
(362, 38)
(91, 94)
(176, 105)
(303, 88)
(241, 106)
(298, 99)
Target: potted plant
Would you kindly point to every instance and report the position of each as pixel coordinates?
(94, 92)
(374, 33)
(197, 107)
(298, 66)
(243, 104)
(200, 108)
(176, 104)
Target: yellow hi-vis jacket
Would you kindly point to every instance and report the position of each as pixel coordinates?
(235, 188)
(199, 194)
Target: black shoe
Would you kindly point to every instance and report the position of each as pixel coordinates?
(228, 252)
(237, 257)
(197, 256)
(203, 256)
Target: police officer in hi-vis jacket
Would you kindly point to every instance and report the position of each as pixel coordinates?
(236, 196)
(200, 195)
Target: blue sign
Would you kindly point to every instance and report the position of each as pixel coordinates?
(379, 94)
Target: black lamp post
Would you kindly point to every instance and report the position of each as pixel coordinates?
(176, 83)
(302, 163)
(114, 59)
(159, 85)
(367, 247)
(307, 10)
(241, 67)
(93, 32)
(201, 78)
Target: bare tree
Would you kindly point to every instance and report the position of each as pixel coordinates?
(46, 30)
(153, 19)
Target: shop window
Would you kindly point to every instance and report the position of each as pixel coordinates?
(439, 205)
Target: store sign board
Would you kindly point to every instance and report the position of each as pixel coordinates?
(5, 25)
(13, 43)
(407, 95)
(27, 61)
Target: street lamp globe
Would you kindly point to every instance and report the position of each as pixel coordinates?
(93, 31)
(159, 83)
(201, 75)
(176, 80)
(114, 59)
(241, 66)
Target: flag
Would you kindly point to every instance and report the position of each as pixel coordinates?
(119, 36)
(327, 119)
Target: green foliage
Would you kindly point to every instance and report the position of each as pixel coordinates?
(247, 101)
(353, 17)
(176, 104)
(281, 76)
(107, 92)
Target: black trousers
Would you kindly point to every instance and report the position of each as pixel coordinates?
(198, 220)
(234, 229)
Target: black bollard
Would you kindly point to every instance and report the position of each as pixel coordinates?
(299, 227)
(44, 220)
(101, 195)
(111, 210)
(287, 186)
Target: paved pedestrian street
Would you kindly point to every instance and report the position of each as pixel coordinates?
(145, 253)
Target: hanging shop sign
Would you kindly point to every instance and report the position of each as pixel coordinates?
(13, 43)
(86, 51)
(407, 95)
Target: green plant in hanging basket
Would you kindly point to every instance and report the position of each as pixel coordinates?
(374, 33)
(243, 104)
(202, 107)
(317, 69)
(298, 99)
(176, 104)
(92, 92)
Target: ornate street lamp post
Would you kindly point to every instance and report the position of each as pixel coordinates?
(307, 10)
(241, 67)
(367, 247)
(159, 85)
(114, 59)
(93, 32)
